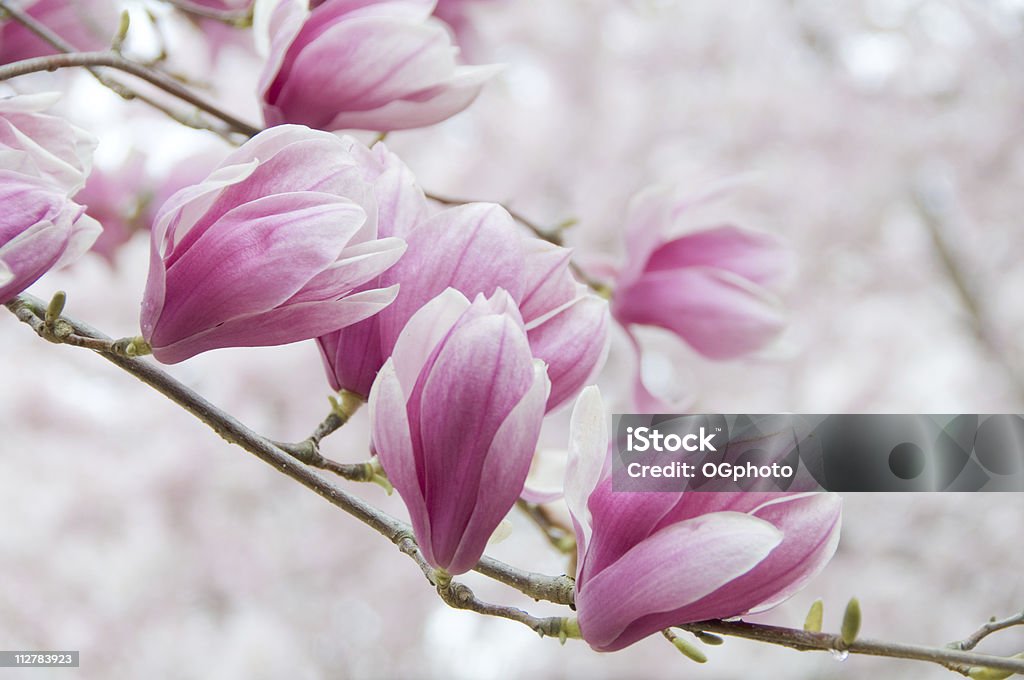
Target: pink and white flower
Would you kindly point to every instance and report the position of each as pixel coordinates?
(44, 161)
(455, 416)
(476, 248)
(271, 248)
(650, 560)
(360, 64)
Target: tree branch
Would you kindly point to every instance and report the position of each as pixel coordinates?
(460, 596)
(561, 538)
(993, 626)
(239, 18)
(114, 60)
(934, 205)
(952, 659)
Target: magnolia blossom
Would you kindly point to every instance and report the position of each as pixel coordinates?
(85, 24)
(269, 249)
(364, 65)
(647, 561)
(710, 287)
(44, 160)
(476, 248)
(455, 416)
(353, 355)
(713, 287)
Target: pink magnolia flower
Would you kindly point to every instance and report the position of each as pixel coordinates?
(353, 355)
(476, 248)
(85, 24)
(649, 560)
(43, 161)
(384, 65)
(711, 287)
(455, 416)
(268, 250)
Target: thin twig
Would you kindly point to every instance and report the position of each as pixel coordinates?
(354, 472)
(933, 207)
(308, 450)
(238, 18)
(951, 659)
(460, 596)
(993, 626)
(557, 589)
(560, 538)
(116, 61)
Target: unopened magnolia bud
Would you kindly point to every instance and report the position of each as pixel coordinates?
(708, 638)
(851, 621)
(56, 306)
(986, 673)
(812, 624)
(689, 650)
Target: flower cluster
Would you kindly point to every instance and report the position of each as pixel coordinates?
(348, 64)
(647, 561)
(463, 331)
(43, 162)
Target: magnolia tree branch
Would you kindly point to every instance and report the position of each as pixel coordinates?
(993, 626)
(239, 18)
(460, 596)
(116, 61)
(47, 322)
(934, 206)
(70, 57)
(953, 659)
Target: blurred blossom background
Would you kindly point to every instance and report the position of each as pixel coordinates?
(881, 138)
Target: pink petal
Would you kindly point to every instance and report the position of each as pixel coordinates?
(588, 451)
(479, 375)
(256, 257)
(355, 266)
(757, 257)
(574, 343)
(425, 330)
(666, 572)
(470, 248)
(504, 471)
(718, 313)
(281, 325)
(393, 445)
(425, 107)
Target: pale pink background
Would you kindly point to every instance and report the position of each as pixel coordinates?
(133, 533)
